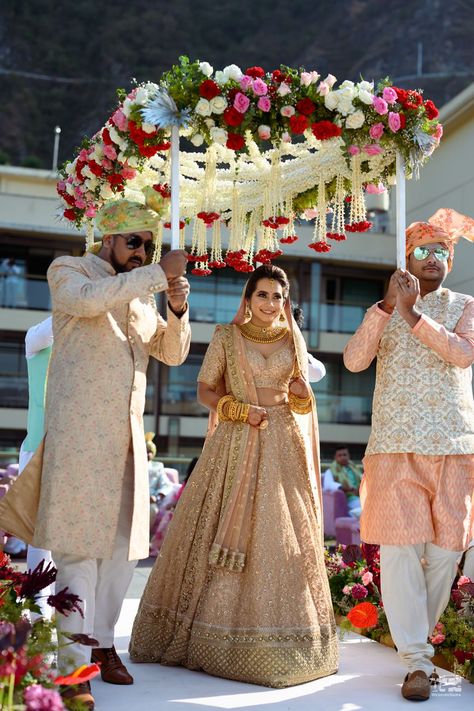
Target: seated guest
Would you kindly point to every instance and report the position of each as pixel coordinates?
(344, 474)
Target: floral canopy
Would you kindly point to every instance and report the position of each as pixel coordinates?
(268, 148)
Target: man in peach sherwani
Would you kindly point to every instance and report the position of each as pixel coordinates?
(419, 463)
(93, 510)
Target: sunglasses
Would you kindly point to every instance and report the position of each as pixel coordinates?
(135, 242)
(441, 253)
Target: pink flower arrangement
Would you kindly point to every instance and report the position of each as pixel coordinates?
(394, 122)
(376, 131)
(241, 102)
(380, 105)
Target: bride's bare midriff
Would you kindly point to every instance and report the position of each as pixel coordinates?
(268, 397)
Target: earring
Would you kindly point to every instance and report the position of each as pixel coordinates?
(248, 313)
(282, 316)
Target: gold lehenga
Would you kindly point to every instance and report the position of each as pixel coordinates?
(271, 623)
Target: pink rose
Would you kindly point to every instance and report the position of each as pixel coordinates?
(264, 103)
(323, 88)
(306, 78)
(128, 173)
(437, 638)
(107, 164)
(347, 588)
(61, 186)
(284, 89)
(438, 132)
(367, 578)
(80, 203)
(246, 82)
(90, 212)
(241, 102)
(373, 189)
(264, 132)
(120, 120)
(287, 111)
(286, 137)
(463, 580)
(330, 80)
(394, 121)
(376, 131)
(380, 105)
(79, 190)
(110, 152)
(389, 94)
(353, 150)
(83, 155)
(373, 149)
(259, 87)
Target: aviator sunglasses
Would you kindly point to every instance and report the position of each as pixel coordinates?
(441, 253)
(135, 242)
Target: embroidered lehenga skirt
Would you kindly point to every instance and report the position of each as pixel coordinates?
(270, 624)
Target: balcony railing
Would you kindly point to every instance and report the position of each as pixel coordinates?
(26, 291)
(13, 390)
(344, 409)
(340, 318)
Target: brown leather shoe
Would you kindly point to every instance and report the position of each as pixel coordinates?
(112, 669)
(416, 686)
(78, 696)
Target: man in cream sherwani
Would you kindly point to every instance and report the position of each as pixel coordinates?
(93, 507)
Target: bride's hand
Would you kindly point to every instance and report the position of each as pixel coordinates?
(300, 387)
(257, 415)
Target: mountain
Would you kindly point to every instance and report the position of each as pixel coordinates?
(60, 63)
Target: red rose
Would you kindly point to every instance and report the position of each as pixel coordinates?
(115, 179)
(413, 100)
(255, 72)
(401, 94)
(323, 130)
(163, 146)
(232, 117)
(431, 110)
(235, 142)
(403, 120)
(298, 124)
(233, 93)
(106, 137)
(278, 76)
(70, 214)
(209, 89)
(148, 151)
(305, 106)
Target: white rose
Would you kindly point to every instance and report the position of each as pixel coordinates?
(148, 128)
(264, 132)
(206, 68)
(218, 105)
(330, 79)
(356, 119)
(126, 107)
(209, 122)
(141, 96)
(287, 111)
(345, 106)
(220, 78)
(233, 72)
(92, 183)
(203, 107)
(283, 89)
(219, 135)
(366, 97)
(331, 100)
(347, 91)
(197, 139)
(366, 86)
(346, 84)
(106, 191)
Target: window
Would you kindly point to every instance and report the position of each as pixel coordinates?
(178, 388)
(343, 397)
(345, 299)
(13, 371)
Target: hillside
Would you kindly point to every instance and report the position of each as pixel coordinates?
(60, 65)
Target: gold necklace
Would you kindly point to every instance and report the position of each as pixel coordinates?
(262, 335)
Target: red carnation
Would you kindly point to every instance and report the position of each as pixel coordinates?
(278, 76)
(115, 179)
(403, 120)
(106, 137)
(401, 94)
(79, 166)
(305, 106)
(255, 72)
(235, 142)
(298, 124)
(68, 198)
(232, 117)
(209, 89)
(137, 134)
(165, 146)
(95, 168)
(413, 100)
(148, 151)
(323, 130)
(320, 246)
(431, 110)
(70, 214)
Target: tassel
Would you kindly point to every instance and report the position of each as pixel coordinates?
(158, 242)
(338, 221)
(89, 235)
(357, 211)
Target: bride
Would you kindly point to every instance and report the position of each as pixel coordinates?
(239, 589)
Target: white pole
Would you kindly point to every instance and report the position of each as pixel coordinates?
(401, 213)
(57, 133)
(175, 187)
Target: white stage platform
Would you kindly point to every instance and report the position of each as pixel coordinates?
(369, 679)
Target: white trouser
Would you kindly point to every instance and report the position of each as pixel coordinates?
(416, 584)
(34, 556)
(100, 583)
(468, 567)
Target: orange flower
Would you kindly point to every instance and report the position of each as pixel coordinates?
(363, 615)
(79, 675)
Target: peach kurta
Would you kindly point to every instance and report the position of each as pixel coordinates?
(419, 464)
(105, 326)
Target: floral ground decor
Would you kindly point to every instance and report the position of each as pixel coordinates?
(27, 682)
(276, 147)
(354, 581)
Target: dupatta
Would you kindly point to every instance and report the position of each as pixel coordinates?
(229, 549)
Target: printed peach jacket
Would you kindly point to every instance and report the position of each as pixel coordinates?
(423, 401)
(105, 326)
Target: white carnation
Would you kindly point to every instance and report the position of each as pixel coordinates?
(331, 100)
(206, 68)
(87, 173)
(141, 97)
(133, 162)
(127, 106)
(218, 105)
(148, 128)
(356, 119)
(106, 192)
(71, 168)
(92, 183)
(233, 72)
(203, 107)
(70, 186)
(197, 139)
(219, 135)
(366, 97)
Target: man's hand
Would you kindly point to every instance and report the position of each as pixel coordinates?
(178, 292)
(174, 263)
(408, 290)
(390, 298)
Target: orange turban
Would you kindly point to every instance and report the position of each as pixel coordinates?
(445, 226)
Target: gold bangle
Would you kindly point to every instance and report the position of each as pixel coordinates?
(244, 412)
(300, 405)
(220, 407)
